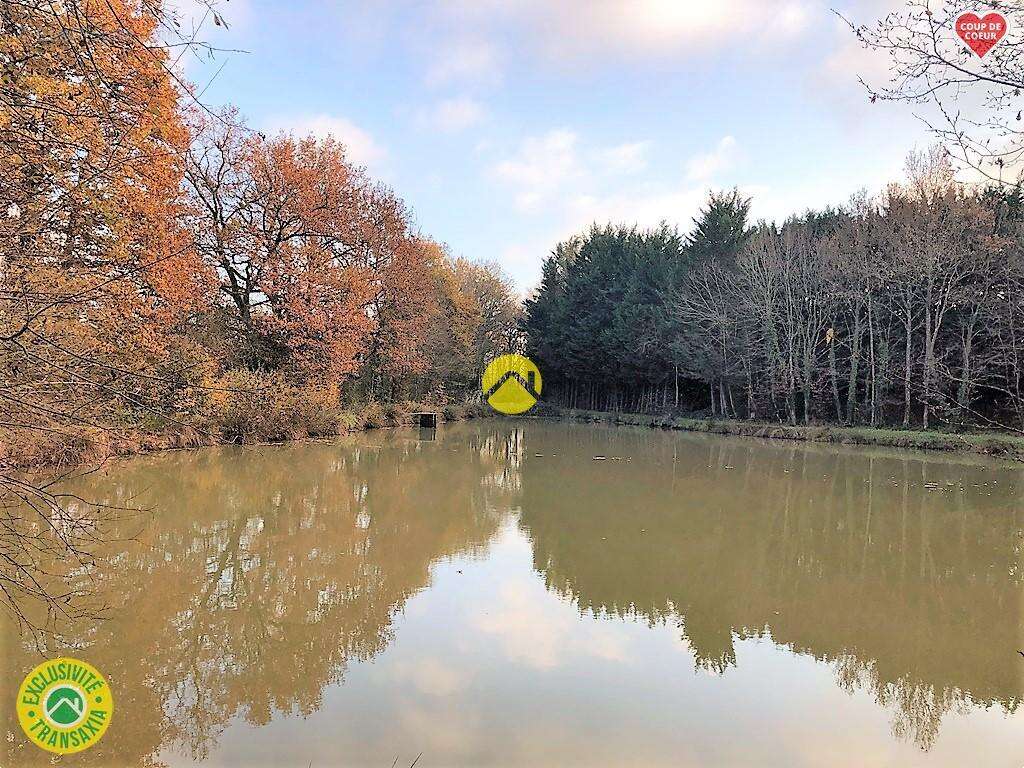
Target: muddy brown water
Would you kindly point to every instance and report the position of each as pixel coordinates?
(491, 594)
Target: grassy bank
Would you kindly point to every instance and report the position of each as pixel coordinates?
(989, 443)
(251, 419)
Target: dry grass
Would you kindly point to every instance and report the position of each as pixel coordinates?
(251, 415)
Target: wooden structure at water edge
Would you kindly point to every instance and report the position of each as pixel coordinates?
(425, 418)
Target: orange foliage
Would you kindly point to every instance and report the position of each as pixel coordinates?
(281, 221)
(314, 289)
(97, 278)
(319, 263)
(92, 153)
(404, 303)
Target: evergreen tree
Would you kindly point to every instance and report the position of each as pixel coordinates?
(597, 324)
(720, 229)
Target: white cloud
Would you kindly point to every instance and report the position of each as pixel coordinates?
(642, 208)
(542, 164)
(626, 158)
(554, 162)
(551, 169)
(594, 29)
(362, 148)
(790, 20)
(707, 165)
(670, 26)
(577, 186)
(465, 61)
(849, 59)
(834, 85)
(430, 676)
(778, 201)
(453, 115)
(541, 633)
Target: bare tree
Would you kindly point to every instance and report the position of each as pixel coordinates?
(971, 103)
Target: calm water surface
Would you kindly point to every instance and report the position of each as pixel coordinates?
(493, 595)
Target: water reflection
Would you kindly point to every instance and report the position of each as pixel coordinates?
(262, 576)
(902, 571)
(265, 579)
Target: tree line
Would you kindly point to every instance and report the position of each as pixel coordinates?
(902, 309)
(166, 269)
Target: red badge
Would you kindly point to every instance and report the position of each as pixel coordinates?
(981, 34)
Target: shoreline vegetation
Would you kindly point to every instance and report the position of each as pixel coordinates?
(360, 418)
(996, 444)
(328, 424)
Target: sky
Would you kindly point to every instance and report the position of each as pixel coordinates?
(508, 126)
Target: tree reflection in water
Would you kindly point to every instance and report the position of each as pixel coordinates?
(262, 575)
(902, 571)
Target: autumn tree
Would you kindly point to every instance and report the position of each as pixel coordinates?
(322, 274)
(495, 310)
(283, 222)
(98, 285)
(401, 268)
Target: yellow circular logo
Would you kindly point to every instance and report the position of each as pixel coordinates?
(512, 384)
(64, 705)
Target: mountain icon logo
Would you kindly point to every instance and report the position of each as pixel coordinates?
(512, 384)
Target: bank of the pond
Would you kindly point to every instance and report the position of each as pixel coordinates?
(107, 444)
(988, 443)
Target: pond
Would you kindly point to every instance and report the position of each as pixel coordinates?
(528, 593)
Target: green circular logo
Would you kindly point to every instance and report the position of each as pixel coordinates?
(64, 706)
